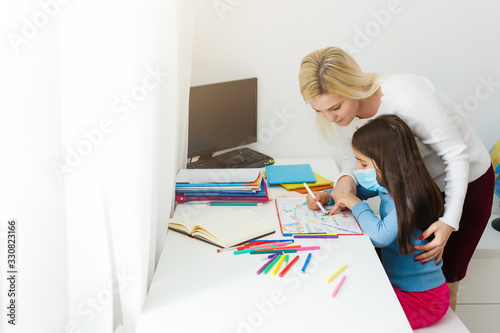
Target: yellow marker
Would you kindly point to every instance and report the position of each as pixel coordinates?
(279, 264)
(335, 274)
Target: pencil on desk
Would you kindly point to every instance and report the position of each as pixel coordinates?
(279, 264)
(309, 248)
(336, 273)
(250, 244)
(290, 234)
(283, 272)
(274, 247)
(335, 291)
(297, 247)
(235, 203)
(273, 244)
(268, 268)
(264, 248)
(316, 236)
(303, 270)
(240, 247)
(273, 251)
(271, 240)
(271, 258)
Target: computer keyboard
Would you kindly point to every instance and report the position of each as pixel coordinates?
(239, 158)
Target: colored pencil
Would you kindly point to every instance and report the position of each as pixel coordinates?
(312, 195)
(270, 240)
(282, 245)
(273, 251)
(315, 236)
(336, 273)
(309, 248)
(268, 268)
(267, 263)
(278, 264)
(271, 256)
(283, 272)
(335, 291)
(303, 233)
(303, 270)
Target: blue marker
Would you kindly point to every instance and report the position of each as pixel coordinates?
(305, 263)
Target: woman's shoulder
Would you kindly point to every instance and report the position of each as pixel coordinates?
(408, 84)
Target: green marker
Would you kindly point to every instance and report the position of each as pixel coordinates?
(268, 268)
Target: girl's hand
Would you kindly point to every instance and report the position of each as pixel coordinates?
(435, 248)
(344, 185)
(322, 197)
(344, 200)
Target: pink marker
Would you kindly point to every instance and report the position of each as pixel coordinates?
(338, 286)
(308, 248)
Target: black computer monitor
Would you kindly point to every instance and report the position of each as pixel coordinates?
(222, 116)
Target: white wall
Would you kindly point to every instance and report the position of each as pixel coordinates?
(452, 42)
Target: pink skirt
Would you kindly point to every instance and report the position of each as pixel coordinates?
(423, 308)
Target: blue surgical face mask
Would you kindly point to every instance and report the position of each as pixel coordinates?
(368, 179)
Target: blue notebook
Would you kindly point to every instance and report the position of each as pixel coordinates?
(289, 174)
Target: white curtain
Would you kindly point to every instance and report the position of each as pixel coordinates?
(92, 132)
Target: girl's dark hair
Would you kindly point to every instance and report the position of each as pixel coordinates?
(389, 142)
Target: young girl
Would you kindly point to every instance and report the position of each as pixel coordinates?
(345, 98)
(389, 165)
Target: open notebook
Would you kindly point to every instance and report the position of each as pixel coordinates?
(223, 227)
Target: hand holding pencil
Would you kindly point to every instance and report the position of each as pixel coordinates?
(315, 199)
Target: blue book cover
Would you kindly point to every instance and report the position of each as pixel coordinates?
(290, 174)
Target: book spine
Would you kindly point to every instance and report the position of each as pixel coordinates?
(182, 198)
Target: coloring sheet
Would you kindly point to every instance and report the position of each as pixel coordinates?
(295, 217)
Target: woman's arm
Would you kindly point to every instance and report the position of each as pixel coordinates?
(431, 125)
(435, 127)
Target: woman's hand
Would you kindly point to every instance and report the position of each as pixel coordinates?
(344, 200)
(435, 248)
(344, 185)
(322, 197)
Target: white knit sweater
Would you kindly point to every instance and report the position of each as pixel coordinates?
(452, 152)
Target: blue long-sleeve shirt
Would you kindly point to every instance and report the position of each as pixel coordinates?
(403, 271)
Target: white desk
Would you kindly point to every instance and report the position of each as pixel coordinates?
(195, 289)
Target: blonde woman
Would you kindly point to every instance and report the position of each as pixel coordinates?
(345, 98)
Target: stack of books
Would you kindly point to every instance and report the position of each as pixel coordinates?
(221, 185)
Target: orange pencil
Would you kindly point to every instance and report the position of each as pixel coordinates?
(279, 248)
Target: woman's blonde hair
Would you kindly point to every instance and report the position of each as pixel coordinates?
(334, 71)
